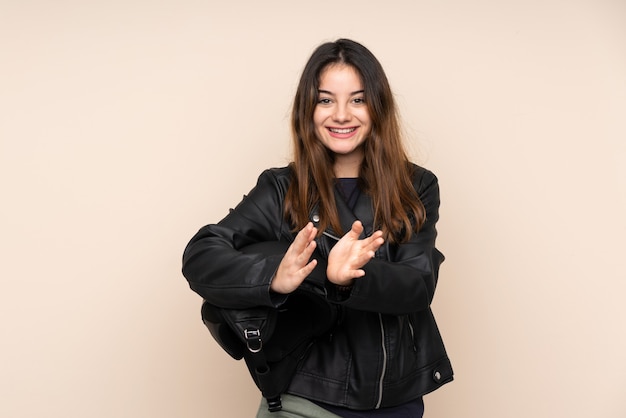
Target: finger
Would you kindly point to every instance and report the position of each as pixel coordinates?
(375, 235)
(364, 258)
(303, 238)
(302, 248)
(375, 244)
(357, 273)
(307, 252)
(308, 269)
(312, 233)
(374, 241)
(304, 234)
(357, 229)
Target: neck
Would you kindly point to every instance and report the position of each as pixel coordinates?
(347, 165)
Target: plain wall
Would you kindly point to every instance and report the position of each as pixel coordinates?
(127, 125)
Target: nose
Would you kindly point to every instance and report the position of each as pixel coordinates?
(341, 113)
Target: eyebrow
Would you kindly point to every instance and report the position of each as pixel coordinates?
(320, 91)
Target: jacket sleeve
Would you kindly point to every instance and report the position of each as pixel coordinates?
(404, 282)
(213, 264)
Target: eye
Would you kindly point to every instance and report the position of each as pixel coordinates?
(323, 100)
(359, 100)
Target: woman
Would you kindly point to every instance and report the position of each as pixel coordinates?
(352, 196)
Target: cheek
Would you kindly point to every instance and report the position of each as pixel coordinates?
(318, 120)
(317, 125)
(364, 117)
(367, 123)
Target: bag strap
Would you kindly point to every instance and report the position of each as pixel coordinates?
(258, 363)
(254, 326)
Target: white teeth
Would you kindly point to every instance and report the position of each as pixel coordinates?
(342, 131)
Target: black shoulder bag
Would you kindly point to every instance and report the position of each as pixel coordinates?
(273, 341)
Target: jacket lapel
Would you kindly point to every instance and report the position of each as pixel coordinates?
(363, 212)
(346, 216)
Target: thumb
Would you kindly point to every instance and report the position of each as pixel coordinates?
(357, 229)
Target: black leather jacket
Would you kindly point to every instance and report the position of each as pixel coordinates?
(386, 348)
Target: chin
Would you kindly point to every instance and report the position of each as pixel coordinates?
(342, 151)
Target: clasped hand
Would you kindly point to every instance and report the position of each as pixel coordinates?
(345, 260)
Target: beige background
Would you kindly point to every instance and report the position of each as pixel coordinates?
(127, 125)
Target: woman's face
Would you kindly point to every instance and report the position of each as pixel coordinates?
(342, 121)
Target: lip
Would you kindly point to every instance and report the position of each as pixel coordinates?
(342, 132)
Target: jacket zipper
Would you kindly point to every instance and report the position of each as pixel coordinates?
(412, 333)
(379, 402)
(382, 372)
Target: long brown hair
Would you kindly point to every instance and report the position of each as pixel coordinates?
(385, 173)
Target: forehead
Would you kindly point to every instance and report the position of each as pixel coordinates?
(340, 74)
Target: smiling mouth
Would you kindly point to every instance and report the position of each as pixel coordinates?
(342, 131)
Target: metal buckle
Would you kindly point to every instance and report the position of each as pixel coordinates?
(274, 404)
(253, 340)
